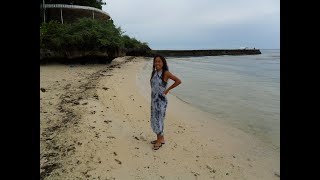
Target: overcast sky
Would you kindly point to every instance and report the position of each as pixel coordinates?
(199, 24)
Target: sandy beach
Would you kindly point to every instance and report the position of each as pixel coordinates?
(95, 124)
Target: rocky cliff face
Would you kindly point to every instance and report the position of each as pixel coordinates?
(79, 56)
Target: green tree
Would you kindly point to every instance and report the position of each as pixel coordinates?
(88, 35)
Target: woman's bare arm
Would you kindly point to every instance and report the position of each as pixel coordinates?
(177, 81)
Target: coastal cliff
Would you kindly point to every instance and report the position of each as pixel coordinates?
(79, 56)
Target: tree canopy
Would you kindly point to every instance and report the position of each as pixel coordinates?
(87, 35)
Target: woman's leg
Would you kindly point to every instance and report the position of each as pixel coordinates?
(160, 138)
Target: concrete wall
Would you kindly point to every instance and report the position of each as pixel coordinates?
(220, 52)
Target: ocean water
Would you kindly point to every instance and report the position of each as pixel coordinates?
(243, 91)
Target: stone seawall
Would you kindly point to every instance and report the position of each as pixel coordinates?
(215, 52)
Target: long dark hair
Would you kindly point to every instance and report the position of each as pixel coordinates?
(164, 67)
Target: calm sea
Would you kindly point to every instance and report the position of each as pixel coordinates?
(243, 91)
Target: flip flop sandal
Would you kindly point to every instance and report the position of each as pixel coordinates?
(157, 147)
(153, 142)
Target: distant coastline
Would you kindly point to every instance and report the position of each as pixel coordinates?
(107, 56)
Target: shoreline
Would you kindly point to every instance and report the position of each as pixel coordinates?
(143, 77)
(109, 133)
(102, 57)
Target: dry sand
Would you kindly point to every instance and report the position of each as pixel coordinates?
(95, 124)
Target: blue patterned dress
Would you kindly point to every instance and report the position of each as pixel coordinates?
(158, 103)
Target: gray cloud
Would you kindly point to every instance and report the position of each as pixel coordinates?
(199, 24)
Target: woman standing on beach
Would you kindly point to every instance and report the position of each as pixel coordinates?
(159, 77)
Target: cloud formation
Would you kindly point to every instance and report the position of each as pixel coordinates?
(199, 24)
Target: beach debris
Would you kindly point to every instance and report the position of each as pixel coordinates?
(195, 173)
(47, 169)
(71, 148)
(211, 169)
(115, 153)
(85, 103)
(119, 162)
(277, 174)
(97, 135)
(136, 138)
(43, 89)
(111, 137)
(96, 96)
(107, 121)
(227, 173)
(105, 88)
(76, 102)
